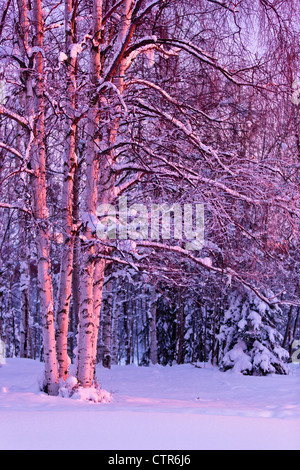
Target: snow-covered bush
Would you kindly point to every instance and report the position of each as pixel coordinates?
(249, 339)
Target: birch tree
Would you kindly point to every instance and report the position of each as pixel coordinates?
(158, 101)
(31, 58)
(111, 77)
(87, 333)
(38, 162)
(70, 162)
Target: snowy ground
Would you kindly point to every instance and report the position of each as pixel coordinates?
(156, 408)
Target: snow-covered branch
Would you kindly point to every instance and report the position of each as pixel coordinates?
(224, 271)
(136, 17)
(180, 104)
(206, 58)
(188, 131)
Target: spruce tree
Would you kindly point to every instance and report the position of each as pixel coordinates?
(249, 337)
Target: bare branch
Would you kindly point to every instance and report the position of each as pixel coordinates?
(12, 150)
(5, 11)
(226, 271)
(16, 117)
(5, 205)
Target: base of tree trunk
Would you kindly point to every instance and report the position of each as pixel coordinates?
(71, 389)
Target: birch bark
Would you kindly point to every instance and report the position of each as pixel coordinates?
(87, 334)
(38, 162)
(25, 290)
(34, 109)
(106, 192)
(70, 162)
(100, 188)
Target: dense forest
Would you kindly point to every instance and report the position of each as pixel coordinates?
(114, 113)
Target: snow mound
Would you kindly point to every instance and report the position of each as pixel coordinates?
(71, 389)
(93, 394)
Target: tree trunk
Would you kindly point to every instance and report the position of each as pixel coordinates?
(76, 260)
(153, 333)
(127, 333)
(115, 334)
(98, 293)
(288, 332)
(215, 342)
(70, 162)
(25, 291)
(87, 336)
(296, 324)
(34, 108)
(38, 162)
(180, 326)
(107, 324)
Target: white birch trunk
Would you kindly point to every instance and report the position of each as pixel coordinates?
(25, 292)
(107, 180)
(42, 217)
(65, 287)
(91, 276)
(76, 265)
(87, 336)
(34, 107)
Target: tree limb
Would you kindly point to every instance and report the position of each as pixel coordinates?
(16, 117)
